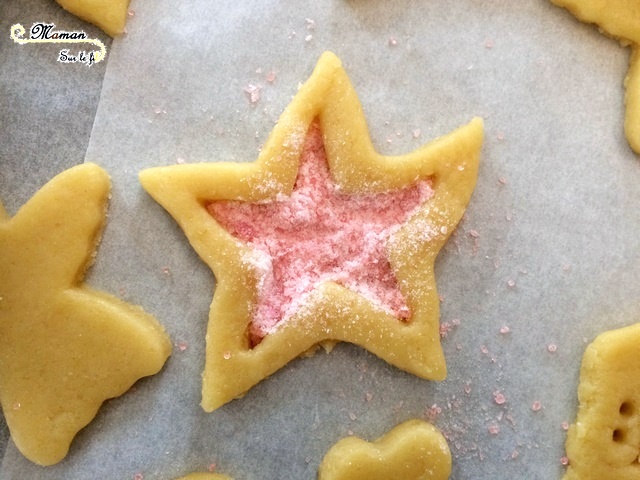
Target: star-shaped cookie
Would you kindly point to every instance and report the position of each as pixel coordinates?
(64, 348)
(619, 19)
(334, 302)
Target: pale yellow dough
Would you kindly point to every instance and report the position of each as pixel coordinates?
(619, 19)
(64, 348)
(334, 313)
(604, 442)
(109, 15)
(205, 476)
(414, 450)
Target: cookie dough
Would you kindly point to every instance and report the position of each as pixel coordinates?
(205, 476)
(64, 348)
(619, 19)
(604, 441)
(109, 15)
(332, 310)
(414, 450)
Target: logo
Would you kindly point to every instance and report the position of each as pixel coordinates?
(46, 33)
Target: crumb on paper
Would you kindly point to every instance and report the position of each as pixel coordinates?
(253, 91)
(499, 398)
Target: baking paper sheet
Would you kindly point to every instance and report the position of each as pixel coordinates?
(548, 247)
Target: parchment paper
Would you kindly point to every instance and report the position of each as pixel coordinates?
(46, 111)
(548, 247)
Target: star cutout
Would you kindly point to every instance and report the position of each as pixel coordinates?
(404, 330)
(619, 19)
(415, 448)
(64, 348)
(316, 234)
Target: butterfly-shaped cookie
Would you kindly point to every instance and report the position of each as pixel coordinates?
(64, 347)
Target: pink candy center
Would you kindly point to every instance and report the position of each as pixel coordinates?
(318, 234)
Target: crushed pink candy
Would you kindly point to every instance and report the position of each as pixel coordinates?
(319, 234)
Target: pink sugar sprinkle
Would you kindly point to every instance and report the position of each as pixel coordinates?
(182, 346)
(271, 77)
(131, 13)
(445, 328)
(494, 429)
(253, 91)
(317, 234)
(565, 425)
(500, 136)
(504, 330)
(552, 347)
(511, 283)
(416, 133)
(499, 398)
(392, 41)
(484, 349)
(502, 180)
(138, 476)
(564, 461)
(536, 406)
(212, 467)
(433, 412)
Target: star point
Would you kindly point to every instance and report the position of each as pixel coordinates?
(332, 309)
